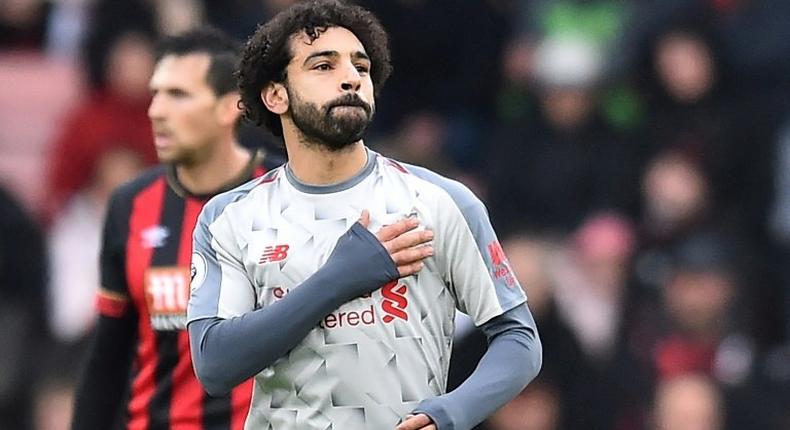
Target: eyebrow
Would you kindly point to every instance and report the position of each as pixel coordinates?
(360, 55)
(357, 55)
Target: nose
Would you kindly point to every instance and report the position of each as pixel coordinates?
(155, 108)
(352, 81)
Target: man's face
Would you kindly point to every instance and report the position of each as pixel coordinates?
(330, 92)
(183, 110)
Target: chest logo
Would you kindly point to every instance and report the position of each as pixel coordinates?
(273, 254)
(167, 295)
(394, 302)
(154, 236)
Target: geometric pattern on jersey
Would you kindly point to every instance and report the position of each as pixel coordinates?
(368, 363)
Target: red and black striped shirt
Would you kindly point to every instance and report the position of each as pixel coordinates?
(145, 267)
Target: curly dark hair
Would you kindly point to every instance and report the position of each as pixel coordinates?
(267, 53)
(222, 50)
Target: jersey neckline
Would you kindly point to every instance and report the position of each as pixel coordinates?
(256, 157)
(336, 187)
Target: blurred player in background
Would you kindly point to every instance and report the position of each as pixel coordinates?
(343, 328)
(147, 242)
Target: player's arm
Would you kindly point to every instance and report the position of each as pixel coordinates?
(100, 392)
(513, 359)
(485, 288)
(227, 351)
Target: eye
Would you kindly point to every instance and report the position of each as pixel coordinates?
(362, 69)
(324, 67)
(177, 93)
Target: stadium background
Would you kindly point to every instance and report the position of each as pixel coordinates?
(634, 156)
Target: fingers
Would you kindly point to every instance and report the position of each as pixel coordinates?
(416, 422)
(389, 232)
(364, 219)
(408, 240)
(412, 255)
(406, 247)
(408, 250)
(410, 269)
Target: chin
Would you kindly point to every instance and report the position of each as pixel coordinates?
(168, 157)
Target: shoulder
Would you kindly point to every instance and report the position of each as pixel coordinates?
(460, 195)
(129, 190)
(239, 196)
(122, 199)
(122, 202)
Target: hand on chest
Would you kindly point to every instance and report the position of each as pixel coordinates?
(292, 245)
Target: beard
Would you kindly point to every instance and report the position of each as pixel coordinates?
(335, 125)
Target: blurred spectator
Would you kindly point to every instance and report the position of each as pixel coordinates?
(23, 24)
(690, 111)
(688, 402)
(36, 92)
(115, 112)
(22, 275)
(757, 58)
(704, 332)
(704, 324)
(74, 241)
(591, 279)
(732, 123)
(593, 294)
(538, 407)
(177, 16)
(690, 262)
(676, 202)
(557, 165)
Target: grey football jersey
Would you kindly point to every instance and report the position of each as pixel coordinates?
(368, 363)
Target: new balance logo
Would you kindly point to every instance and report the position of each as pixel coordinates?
(395, 302)
(273, 254)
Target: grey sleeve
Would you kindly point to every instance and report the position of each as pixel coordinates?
(513, 359)
(225, 352)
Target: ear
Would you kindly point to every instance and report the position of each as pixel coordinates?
(228, 111)
(275, 97)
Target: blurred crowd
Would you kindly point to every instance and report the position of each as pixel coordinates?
(634, 156)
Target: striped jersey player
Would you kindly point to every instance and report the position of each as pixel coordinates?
(139, 373)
